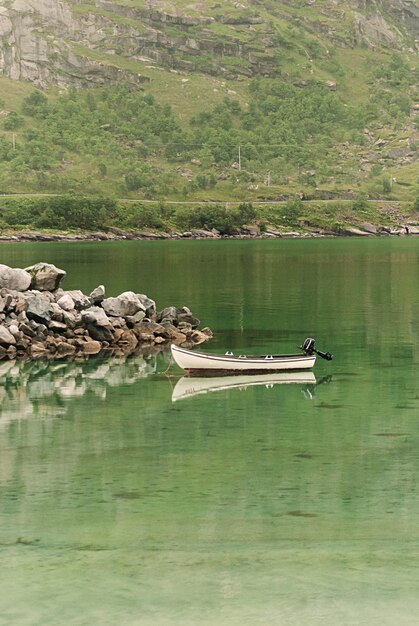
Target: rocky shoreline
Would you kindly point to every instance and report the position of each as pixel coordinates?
(39, 319)
(245, 232)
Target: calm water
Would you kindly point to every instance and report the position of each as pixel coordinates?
(129, 496)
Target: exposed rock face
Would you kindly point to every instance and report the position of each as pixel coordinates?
(49, 41)
(57, 324)
(29, 51)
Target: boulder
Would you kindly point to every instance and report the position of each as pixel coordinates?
(184, 315)
(131, 320)
(90, 346)
(38, 308)
(148, 304)
(6, 337)
(98, 295)
(45, 276)
(127, 303)
(99, 333)
(95, 315)
(66, 302)
(58, 327)
(169, 314)
(81, 301)
(14, 278)
(198, 336)
(128, 340)
(65, 349)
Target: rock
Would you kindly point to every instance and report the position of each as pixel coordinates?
(330, 84)
(27, 330)
(66, 302)
(352, 231)
(38, 308)
(14, 278)
(198, 337)
(58, 327)
(126, 303)
(70, 320)
(369, 228)
(56, 324)
(174, 334)
(128, 340)
(6, 337)
(185, 315)
(91, 346)
(37, 349)
(169, 314)
(253, 231)
(95, 315)
(148, 304)
(45, 276)
(131, 320)
(99, 333)
(14, 330)
(98, 295)
(57, 312)
(81, 301)
(65, 349)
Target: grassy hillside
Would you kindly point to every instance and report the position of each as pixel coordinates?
(243, 102)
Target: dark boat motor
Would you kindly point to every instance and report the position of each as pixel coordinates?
(308, 348)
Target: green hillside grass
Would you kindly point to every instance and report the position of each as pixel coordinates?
(181, 135)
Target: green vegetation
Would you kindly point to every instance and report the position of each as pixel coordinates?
(76, 212)
(285, 139)
(271, 102)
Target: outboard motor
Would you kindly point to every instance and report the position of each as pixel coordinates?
(308, 348)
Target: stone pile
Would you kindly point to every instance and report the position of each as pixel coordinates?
(38, 318)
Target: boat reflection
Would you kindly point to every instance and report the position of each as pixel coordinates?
(187, 387)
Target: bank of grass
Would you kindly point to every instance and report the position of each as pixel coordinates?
(75, 213)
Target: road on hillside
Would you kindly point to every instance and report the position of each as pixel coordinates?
(194, 202)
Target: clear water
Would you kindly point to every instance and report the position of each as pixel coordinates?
(277, 503)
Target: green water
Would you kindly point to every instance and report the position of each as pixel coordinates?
(271, 504)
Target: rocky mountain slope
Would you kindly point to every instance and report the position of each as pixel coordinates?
(66, 42)
(223, 99)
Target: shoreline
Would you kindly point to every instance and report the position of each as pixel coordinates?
(246, 232)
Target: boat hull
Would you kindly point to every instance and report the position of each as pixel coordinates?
(198, 362)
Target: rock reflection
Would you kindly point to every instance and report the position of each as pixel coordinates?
(31, 388)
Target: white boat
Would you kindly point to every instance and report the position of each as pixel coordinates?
(198, 362)
(187, 386)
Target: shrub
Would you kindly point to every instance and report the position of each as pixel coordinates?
(73, 211)
(220, 217)
(292, 212)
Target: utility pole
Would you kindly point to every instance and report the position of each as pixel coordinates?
(240, 162)
(14, 141)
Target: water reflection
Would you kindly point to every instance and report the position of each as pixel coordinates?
(188, 387)
(34, 388)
